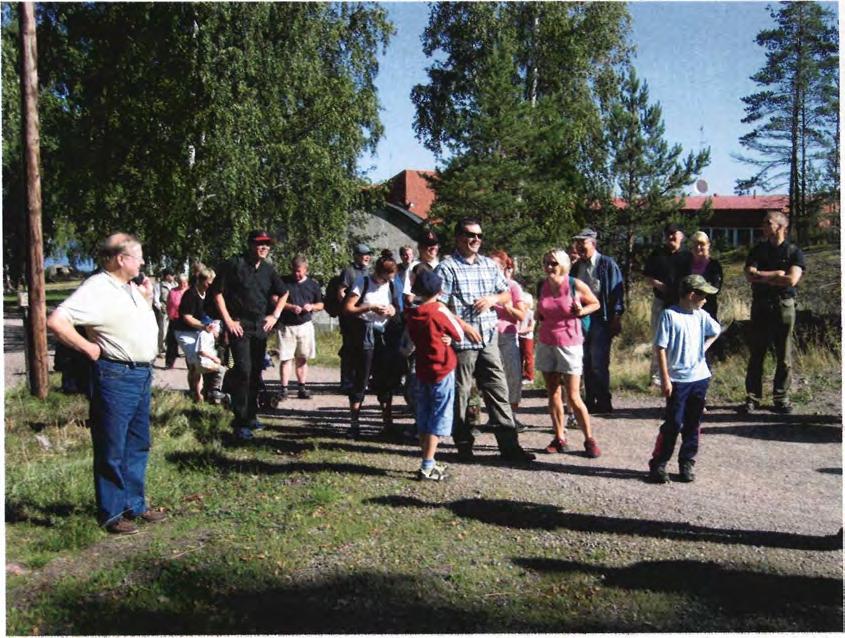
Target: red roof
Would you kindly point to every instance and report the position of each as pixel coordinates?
(732, 202)
(410, 190)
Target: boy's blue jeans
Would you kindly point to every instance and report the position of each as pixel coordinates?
(120, 429)
(683, 416)
(435, 406)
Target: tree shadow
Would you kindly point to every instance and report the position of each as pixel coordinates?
(814, 603)
(830, 470)
(517, 515)
(785, 432)
(27, 511)
(225, 465)
(293, 444)
(252, 601)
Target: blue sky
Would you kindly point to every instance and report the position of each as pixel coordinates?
(697, 58)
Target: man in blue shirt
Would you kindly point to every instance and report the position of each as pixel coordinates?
(684, 332)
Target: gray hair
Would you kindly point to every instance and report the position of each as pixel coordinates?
(778, 217)
(298, 261)
(115, 244)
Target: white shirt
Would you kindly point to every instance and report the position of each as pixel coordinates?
(406, 276)
(116, 316)
(377, 294)
(586, 272)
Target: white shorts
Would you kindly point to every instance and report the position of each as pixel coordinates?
(297, 342)
(187, 340)
(563, 359)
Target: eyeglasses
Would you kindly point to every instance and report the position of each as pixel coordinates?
(135, 257)
(469, 235)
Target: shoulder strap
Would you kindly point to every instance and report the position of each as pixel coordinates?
(572, 286)
(539, 289)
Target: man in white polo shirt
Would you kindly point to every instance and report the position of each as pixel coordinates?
(121, 340)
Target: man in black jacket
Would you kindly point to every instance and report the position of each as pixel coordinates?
(242, 294)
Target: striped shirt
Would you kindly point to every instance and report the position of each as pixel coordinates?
(463, 284)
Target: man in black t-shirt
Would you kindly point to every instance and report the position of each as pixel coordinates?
(296, 333)
(242, 292)
(774, 267)
(664, 270)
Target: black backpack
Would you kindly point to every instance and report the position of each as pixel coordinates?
(332, 305)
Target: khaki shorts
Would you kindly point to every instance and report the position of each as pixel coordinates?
(297, 342)
(563, 359)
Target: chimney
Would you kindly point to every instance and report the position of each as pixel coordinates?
(754, 194)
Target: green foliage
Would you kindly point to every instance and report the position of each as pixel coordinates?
(795, 115)
(511, 96)
(639, 176)
(190, 124)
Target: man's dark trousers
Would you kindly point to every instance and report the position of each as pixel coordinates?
(248, 354)
(597, 364)
(772, 322)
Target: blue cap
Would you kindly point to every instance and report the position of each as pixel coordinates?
(426, 284)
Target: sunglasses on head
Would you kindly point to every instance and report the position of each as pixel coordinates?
(469, 235)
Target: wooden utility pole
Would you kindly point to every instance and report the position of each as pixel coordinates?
(36, 326)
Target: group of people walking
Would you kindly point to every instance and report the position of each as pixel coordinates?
(444, 325)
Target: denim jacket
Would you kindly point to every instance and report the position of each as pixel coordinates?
(612, 293)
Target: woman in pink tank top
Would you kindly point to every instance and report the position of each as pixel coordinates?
(561, 303)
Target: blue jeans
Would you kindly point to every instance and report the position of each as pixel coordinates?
(120, 430)
(435, 406)
(683, 416)
(597, 364)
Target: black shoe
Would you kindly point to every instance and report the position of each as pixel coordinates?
(354, 431)
(782, 408)
(283, 395)
(603, 408)
(749, 406)
(687, 474)
(465, 453)
(518, 455)
(303, 393)
(658, 474)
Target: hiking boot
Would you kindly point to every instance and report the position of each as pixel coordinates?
(354, 431)
(557, 446)
(571, 422)
(658, 474)
(303, 393)
(518, 455)
(465, 453)
(282, 395)
(782, 408)
(436, 473)
(244, 434)
(749, 406)
(122, 527)
(150, 516)
(604, 408)
(687, 474)
(592, 448)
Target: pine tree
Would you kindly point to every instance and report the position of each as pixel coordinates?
(793, 114)
(512, 101)
(643, 176)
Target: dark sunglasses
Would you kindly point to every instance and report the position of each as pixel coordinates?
(473, 235)
(550, 263)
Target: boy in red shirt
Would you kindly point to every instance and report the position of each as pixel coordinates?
(432, 328)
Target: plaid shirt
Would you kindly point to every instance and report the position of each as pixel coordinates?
(463, 283)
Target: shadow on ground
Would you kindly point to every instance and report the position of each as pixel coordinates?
(814, 602)
(518, 515)
(219, 599)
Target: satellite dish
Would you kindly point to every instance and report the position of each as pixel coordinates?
(701, 186)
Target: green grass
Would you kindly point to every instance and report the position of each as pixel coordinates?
(302, 532)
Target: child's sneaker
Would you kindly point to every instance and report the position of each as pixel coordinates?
(571, 422)
(436, 473)
(592, 448)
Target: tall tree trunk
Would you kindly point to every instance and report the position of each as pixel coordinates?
(36, 326)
